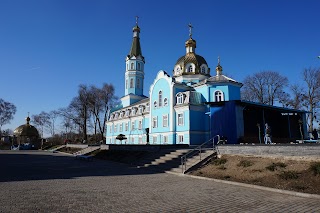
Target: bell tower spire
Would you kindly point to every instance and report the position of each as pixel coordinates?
(134, 74)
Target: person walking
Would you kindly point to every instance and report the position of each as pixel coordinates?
(267, 136)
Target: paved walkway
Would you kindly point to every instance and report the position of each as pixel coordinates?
(34, 181)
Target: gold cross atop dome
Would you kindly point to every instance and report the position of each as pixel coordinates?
(137, 19)
(190, 29)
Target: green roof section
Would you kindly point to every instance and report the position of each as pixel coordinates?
(135, 47)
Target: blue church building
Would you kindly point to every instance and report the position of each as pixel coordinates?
(191, 105)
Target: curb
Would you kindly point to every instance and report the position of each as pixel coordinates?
(299, 194)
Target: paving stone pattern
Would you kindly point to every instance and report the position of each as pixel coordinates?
(52, 182)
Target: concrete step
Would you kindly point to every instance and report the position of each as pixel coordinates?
(171, 160)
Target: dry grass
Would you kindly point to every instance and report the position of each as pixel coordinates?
(294, 175)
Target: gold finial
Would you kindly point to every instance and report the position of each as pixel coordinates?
(218, 60)
(137, 19)
(190, 29)
(28, 119)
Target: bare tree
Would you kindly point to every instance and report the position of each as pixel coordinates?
(264, 87)
(40, 121)
(77, 111)
(298, 100)
(50, 125)
(100, 102)
(7, 110)
(311, 76)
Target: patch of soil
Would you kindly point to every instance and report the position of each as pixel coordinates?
(293, 175)
(69, 150)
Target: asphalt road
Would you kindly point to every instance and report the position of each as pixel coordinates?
(37, 181)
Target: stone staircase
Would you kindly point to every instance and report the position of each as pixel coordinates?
(170, 160)
(86, 150)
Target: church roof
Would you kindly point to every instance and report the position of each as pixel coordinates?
(191, 63)
(135, 46)
(191, 58)
(26, 130)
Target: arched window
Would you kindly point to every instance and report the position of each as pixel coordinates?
(179, 98)
(131, 83)
(138, 83)
(218, 96)
(132, 66)
(139, 66)
(203, 70)
(190, 68)
(165, 102)
(126, 83)
(155, 104)
(160, 98)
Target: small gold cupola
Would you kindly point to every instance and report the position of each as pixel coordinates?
(191, 67)
(219, 67)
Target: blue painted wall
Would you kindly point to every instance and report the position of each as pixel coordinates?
(223, 122)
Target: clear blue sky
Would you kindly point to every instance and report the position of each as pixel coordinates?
(49, 47)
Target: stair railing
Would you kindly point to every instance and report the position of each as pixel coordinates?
(208, 145)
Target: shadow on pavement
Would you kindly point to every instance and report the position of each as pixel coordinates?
(40, 165)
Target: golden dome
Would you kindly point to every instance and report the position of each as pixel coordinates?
(26, 130)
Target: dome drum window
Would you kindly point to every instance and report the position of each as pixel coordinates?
(218, 96)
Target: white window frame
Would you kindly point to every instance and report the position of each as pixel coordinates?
(154, 139)
(180, 98)
(140, 124)
(165, 139)
(165, 120)
(180, 138)
(132, 140)
(218, 96)
(165, 102)
(140, 110)
(120, 127)
(154, 122)
(131, 82)
(180, 119)
(140, 140)
(115, 128)
(132, 125)
(126, 125)
(160, 98)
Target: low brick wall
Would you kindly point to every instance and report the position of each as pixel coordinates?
(287, 150)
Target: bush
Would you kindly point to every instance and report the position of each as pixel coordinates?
(218, 162)
(315, 168)
(274, 166)
(222, 167)
(288, 175)
(245, 163)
